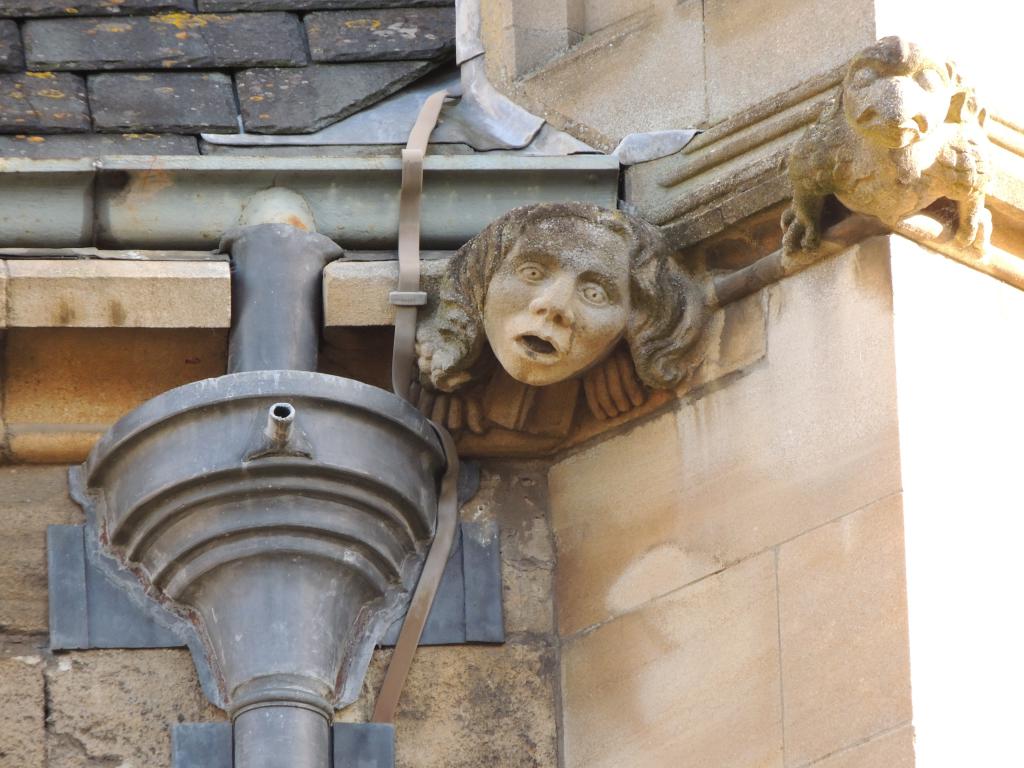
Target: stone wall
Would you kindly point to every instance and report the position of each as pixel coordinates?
(723, 582)
(601, 69)
(730, 584)
(463, 706)
(663, 64)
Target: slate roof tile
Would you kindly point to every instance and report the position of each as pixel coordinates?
(44, 8)
(76, 145)
(381, 35)
(314, 5)
(12, 58)
(165, 41)
(305, 100)
(43, 102)
(176, 68)
(171, 102)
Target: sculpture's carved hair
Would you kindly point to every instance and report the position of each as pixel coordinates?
(667, 306)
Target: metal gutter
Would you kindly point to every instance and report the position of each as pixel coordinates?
(187, 202)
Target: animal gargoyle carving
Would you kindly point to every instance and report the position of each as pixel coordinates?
(904, 132)
(547, 298)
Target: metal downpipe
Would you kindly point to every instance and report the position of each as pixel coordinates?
(276, 298)
(282, 736)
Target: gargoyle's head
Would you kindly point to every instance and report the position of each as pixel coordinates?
(894, 94)
(553, 288)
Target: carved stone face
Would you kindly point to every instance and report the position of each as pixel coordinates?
(559, 302)
(895, 95)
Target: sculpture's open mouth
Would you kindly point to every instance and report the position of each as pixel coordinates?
(537, 344)
(898, 136)
(905, 135)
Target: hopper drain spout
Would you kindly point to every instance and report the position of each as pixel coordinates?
(285, 512)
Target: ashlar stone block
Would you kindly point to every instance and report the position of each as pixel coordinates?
(517, 497)
(749, 60)
(22, 712)
(614, 84)
(479, 706)
(892, 750)
(103, 294)
(613, 511)
(807, 435)
(843, 624)
(116, 707)
(31, 498)
(356, 292)
(59, 393)
(691, 680)
(471, 706)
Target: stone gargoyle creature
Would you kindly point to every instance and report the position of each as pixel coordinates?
(904, 132)
(549, 294)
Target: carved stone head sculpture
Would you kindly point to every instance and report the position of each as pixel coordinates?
(904, 131)
(552, 289)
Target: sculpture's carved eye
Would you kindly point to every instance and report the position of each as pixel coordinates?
(531, 272)
(863, 76)
(930, 79)
(594, 293)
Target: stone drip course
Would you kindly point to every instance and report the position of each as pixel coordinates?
(171, 69)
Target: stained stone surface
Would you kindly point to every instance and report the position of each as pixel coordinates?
(77, 145)
(21, 712)
(690, 680)
(163, 101)
(31, 498)
(843, 628)
(59, 395)
(277, 100)
(115, 708)
(165, 41)
(12, 58)
(23, 8)
(386, 35)
(43, 101)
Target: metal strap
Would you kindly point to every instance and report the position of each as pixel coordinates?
(403, 362)
(409, 204)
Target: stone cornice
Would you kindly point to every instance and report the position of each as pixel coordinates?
(730, 171)
(738, 168)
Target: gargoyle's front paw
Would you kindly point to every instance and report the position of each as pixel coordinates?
(812, 237)
(435, 362)
(975, 232)
(799, 234)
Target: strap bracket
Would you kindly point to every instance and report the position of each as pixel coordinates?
(408, 298)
